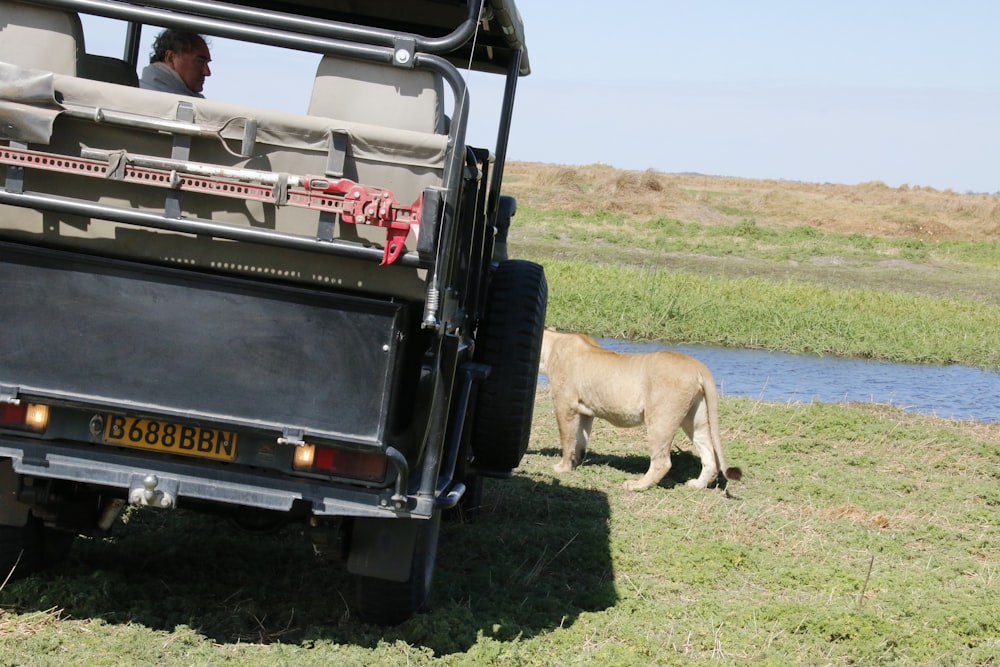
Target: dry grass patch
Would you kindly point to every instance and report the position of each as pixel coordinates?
(22, 626)
(852, 512)
(868, 208)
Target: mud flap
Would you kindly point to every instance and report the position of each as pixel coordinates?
(382, 548)
(12, 511)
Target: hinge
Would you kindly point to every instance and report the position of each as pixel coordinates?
(292, 436)
(9, 394)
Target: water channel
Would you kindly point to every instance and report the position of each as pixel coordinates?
(953, 392)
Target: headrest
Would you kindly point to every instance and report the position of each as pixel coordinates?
(42, 38)
(405, 99)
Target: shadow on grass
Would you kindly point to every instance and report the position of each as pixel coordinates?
(684, 465)
(537, 557)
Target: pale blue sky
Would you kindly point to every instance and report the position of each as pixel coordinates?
(840, 91)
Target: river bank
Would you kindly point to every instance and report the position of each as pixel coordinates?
(738, 266)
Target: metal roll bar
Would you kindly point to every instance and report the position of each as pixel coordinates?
(326, 28)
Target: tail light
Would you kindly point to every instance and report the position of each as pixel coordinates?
(341, 462)
(24, 416)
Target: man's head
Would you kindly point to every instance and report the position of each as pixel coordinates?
(186, 53)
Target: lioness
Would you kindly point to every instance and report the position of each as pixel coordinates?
(666, 390)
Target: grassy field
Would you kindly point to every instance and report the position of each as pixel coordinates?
(860, 534)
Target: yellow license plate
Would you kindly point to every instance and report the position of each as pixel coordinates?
(170, 438)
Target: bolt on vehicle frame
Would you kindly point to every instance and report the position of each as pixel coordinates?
(276, 317)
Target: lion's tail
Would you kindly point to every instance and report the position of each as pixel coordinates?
(712, 401)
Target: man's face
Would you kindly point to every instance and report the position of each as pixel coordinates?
(191, 66)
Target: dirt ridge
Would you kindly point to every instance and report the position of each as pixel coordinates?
(871, 208)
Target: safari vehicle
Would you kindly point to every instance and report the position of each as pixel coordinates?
(273, 316)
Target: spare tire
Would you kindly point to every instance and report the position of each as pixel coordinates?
(509, 341)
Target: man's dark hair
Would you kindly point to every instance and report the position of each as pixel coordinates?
(178, 41)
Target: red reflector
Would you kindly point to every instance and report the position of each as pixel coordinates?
(324, 459)
(370, 467)
(13, 415)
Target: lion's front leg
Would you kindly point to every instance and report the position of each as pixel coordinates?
(574, 435)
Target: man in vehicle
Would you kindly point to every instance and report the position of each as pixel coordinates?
(178, 64)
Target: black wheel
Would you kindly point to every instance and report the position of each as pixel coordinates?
(386, 602)
(30, 548)
(509, 340)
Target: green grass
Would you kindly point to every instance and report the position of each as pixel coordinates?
(860, 535)
(655, 304)
(540, 231)
(792, 289)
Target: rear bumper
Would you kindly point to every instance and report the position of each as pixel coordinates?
(167, 483)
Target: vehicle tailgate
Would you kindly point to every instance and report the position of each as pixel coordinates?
(133, 337)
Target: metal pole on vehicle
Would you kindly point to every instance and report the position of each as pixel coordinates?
(132, 37)
(503, 134)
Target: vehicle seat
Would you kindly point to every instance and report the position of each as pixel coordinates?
(397, 97)
(111, 70)
(42, 38)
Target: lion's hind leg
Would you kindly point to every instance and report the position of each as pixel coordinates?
(697, 427)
